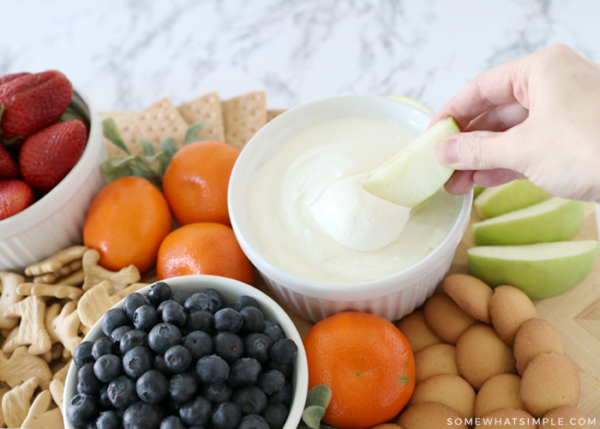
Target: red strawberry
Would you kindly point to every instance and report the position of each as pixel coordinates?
(31, 103)
(15, 196)
(8, 166)
(48, 155)
(9, 77)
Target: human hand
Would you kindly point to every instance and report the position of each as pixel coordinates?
(535, 118)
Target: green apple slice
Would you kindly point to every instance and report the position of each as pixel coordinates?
(555, 219)
(540, 270)
(412, 102)
(413, 175)
(512, 196)
(478, 190)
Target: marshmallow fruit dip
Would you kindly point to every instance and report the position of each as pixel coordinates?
(311, 217)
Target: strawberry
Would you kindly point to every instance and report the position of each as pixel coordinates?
(8, 166)
(15, 196)
(48, 155)
(9, 77)
(30, 103)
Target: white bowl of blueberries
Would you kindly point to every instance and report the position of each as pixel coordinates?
(189, 352)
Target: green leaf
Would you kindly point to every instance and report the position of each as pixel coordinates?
(111, 133)
(319, 395)
(191, 132)
(71, 114)
(312, 416)
(147, 146)
(168, 146)
(324, 426)
(113, 168)
(1, 111)
(8, 142)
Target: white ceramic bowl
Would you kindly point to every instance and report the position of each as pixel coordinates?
(56, 220)
(391, 297)
(231, 290)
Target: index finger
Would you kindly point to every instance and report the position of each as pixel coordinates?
(503, 84)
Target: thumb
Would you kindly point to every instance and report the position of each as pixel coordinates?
(477, 150)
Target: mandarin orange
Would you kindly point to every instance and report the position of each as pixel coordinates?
(367, 363)
(203, 248)
(126, 223)
(196, 180)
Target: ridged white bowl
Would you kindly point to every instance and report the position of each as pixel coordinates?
(392, 297)
(231, 290)
(56, 220)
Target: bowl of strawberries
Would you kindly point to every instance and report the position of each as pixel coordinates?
(51, 148)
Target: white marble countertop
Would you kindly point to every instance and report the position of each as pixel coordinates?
(127, 54)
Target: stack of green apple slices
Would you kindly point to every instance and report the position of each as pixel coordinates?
(524, 240)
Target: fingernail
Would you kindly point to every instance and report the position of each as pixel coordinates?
(446, 152)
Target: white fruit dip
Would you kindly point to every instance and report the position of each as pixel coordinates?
(311, 216)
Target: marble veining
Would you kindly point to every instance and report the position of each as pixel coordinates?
(127, 54)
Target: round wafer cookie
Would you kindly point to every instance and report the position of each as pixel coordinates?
(445, 318)
(471, 294)
(510, 307)
(431, 415)
(450, 390)
(499, 391)
(435, 359)
(417, 332)
(507, 419)
(535, 337)
(565, 417)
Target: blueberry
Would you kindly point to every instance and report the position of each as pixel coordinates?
(244, 301)
(198, 343)
(253, 421)
(83, 354)
(283, 396)
(87, 382)
(275, 415)
(107, 368)
(133, 338)
(137, 361)
(199, 302)
(226, 416)
(271, 381)
(227, 319)
(229, 346)
(164, 336)
(81, 409)
(159, 292)
(251, 400)
(145, 317)
(142, 416)
(217, 393)
(257, 346)
(244, 372)
(133, 302)
(254, 320)
(118, 334)
(284, 351)
(178, 359)
(103, 401)
(180, 296)
(113, 319)
(121, 392)
(102, 346)
(108, 420)
(160, 365)
(173, 313)
(216, 297)
(161, 306)
(182, 387)
(273, 330)
(172, 422)
(287, 369)
(152, 387)
(200, 321)
(171, 406)
(212, 369)
(196, 412)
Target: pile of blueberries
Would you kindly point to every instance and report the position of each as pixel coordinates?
(175, 361)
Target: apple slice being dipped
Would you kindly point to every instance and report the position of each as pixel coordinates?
(413, 175)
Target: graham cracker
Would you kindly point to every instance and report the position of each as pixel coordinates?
(205, 109)
(272, 114)
(243, 116)
(156, 123)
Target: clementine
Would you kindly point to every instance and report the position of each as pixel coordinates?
(203, 248)
(367, 363)
(196, 180)
(126, 223)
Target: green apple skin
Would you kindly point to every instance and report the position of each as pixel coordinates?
(477, 190)
(506, 198)
(540, 278)
(559, 224)
(412, 102)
